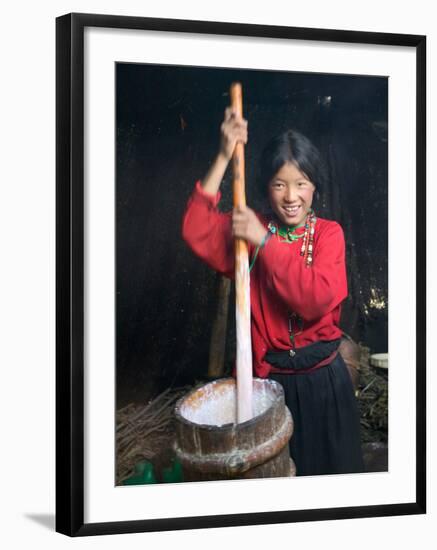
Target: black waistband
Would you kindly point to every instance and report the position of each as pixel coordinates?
(302, 358)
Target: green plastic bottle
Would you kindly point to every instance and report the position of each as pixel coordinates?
(143, 473)
(173, 474)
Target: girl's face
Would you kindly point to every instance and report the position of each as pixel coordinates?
(291, 194)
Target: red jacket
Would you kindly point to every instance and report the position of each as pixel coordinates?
(280, 282)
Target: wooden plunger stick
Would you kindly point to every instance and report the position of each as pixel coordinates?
(242, 281)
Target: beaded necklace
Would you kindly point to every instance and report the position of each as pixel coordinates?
(289, 236)
(288, 233)
(295, 327)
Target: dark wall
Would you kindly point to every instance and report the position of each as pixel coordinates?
(168, 121)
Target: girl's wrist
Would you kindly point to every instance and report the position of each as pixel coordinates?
(221, 158)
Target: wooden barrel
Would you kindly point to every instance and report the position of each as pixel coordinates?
(211, 445)
(351, 354)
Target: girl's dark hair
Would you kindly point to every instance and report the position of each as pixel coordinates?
(291, 146)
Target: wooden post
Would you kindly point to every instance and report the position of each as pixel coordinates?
(242, 281)
(217, 346)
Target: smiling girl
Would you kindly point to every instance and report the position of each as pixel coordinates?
(297, 284)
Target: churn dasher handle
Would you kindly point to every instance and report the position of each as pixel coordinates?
(242, 280)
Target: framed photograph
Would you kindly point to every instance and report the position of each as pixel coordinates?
(144, 326)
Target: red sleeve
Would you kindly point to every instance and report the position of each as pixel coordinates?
(208, 232)
(314, 291)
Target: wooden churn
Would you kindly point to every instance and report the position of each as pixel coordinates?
(233, 429)
(211, 445)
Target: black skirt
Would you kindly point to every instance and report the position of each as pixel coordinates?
(326, 437)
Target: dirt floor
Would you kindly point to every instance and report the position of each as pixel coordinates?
(372, 396)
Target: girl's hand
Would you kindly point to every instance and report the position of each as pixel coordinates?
(233, 129)
(246, 225)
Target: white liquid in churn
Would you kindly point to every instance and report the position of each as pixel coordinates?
(215, 403)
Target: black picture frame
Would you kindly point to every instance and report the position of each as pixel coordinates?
(70, 273)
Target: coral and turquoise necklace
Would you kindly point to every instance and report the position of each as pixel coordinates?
(288, 234)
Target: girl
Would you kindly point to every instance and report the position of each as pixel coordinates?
(297, 284)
